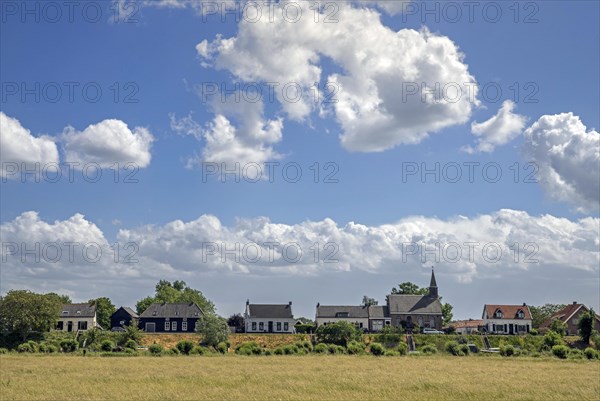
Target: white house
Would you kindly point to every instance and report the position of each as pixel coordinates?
(371, 318)
(507, 319)
(269, 318)
(74, 317)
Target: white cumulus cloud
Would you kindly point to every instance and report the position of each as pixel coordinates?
(568, 158)
(19, 148)
(498, 130)
(106, 143)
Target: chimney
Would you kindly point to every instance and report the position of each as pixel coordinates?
(247, 301)
(318, 304)
(524, 304)
(574, 302)
(290, 303)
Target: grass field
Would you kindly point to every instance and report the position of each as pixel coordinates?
(311, 377)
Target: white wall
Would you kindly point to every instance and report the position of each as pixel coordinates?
(291, 323)
(91, 322)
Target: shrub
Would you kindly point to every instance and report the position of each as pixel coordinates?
(304, 328)
(551, 339)
(391, 352)
(377, 349)
(68, 345)
(596, 340)
(290, 349)
(185, 346)
(198, 350)
(402, 348)
(279, 350)
(3, 351)
(29, 346)
(560, 351)
(464, 349)
(559, 327)
(248, 348)
(213, 328)
(174, 351)
(452, 347)
(389, 335)
(429, 349)
(340, 333)
(320, 348)
(268, 352)
(355, 348)
(507, 350)
(107, 345)
(335, 349)
(131, 344)
(306, 345)
(590, 353)
(222, 347)
(156, 349)
(575, 354)
(533, 332)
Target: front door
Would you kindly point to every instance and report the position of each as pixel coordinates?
(70, 326)
(510, 329)
(270, 327)
(150, 328)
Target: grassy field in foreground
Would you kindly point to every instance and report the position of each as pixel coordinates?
(296, 378)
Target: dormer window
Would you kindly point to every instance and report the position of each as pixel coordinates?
(342, 314)
(520, 314)
(498, 314)
(65, 312)
(79, 312)
(154, 313)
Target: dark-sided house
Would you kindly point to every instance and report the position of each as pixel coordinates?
(371, 318)
(570, 315)
(422, 310)
(269, 318)
(124, 316)
(170, 318)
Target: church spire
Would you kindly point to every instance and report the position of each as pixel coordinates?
(433, 288)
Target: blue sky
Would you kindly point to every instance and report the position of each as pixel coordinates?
(155, 60)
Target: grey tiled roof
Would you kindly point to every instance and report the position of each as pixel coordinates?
(379, 311)
(188, 309)
(78, 310)
(400, 303)
(354, 312)
(275, 311)
(131, 312)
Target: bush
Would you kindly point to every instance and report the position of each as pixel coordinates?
(551, 339)
(29, 346)
(575, 354)
(533, 332)
(185, 346)
(355, 348)
(560, 351)
(340, 333)
(507, 350)
(198, 350)
(107, 346)
(389, 335)
(464, 349)
(456, 349)
(3, 351)
(429, 349)
(279, 350)
(268, 352)
(131, 344)
(336, 349)
(290, 349)
(402, 348)
(377, 349)
(174, 351)
(248, 348)
(590, 353)
(320, 348)
(596, 340)
(308, 347)
(222, 347)
(68, 345)
(305, 328)
(156, 349)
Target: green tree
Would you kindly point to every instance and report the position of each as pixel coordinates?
(585, 325)
(104, 310)
(446, 313)
(177, 291)
(558, 326)
(539, 314)
(24, 312)
(340, 333)
(213, 328)
(306, 320)
(367, 301)
(237, 321)
(63, 299)
(408, 288)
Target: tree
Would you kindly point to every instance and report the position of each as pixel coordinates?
(306, 320)
(104, 310)
(366, 301)
(585, 325)
(408, 288)
(237, 321)
(340, 333)
(446, 314)
(558, 326)
(177, 291)
(539, 314)
(63, 299)
(213, 328)
(24, 312)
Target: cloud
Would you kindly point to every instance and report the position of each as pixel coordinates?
(391, 87)
(106, 143)
(498, 130)
(391, 7)
(568, 158)
(18, 146)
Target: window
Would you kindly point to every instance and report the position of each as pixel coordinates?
(342, 314)
(278, 326)
(253, 326)
(261, 326)
(184, 326)
(520, 314)
(286, 326)
(420, 320)
(377, 325)
(81, 325)
(431, 322)
(498, 314)
(167, 326)
(174, 326)
(65, 312)
(60, 325)
(121, 322)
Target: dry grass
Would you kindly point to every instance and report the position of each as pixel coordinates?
(311, 377)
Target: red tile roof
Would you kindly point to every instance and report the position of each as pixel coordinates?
(565, 313)
(508, 311)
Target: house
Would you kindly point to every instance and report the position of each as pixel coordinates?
(77, 317)
(124, 316)
(570, 316)
(269, 318)
(422, 310)
(471, 326)
(372, 318)
(170, 318)
(507, 319)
